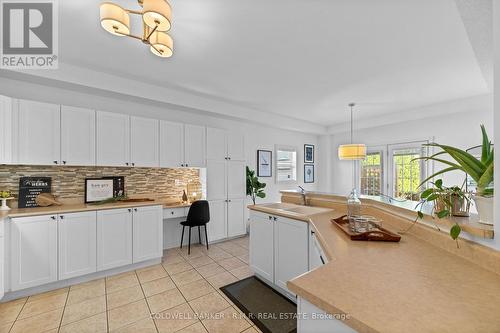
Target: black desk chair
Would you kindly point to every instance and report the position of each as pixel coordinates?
(198, 215)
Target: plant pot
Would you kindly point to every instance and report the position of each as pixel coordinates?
(4, 204)
(484, 207)
(459, 206)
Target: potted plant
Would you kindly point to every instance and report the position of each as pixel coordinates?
(480, 170)
(254, 187)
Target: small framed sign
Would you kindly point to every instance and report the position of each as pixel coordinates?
(98, 189)
(264, 163)
(308, 173)
(308, 153)
(30, 188)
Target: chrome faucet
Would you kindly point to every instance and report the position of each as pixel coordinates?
(303, 193)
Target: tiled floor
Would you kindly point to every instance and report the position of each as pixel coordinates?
(182, 294)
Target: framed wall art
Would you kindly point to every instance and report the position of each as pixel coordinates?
(264, 163)
(308, 153)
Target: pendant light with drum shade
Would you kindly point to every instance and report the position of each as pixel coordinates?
(156, 21)
(353, 152)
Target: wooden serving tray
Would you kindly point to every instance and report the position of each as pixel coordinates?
(377, 234)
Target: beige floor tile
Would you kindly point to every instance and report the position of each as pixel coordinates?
(228, 320)
(119, 276)
(124, 296)
(200, 261)
(210, 269)
(127, 314)
(218, 254)
(10, 310)
(195, 328)
(227, 246)
(175, 319)
(165, 300)
(80, 294)
(151, 273)
(95, 324)
(245, 258)
(244, 242)
(242, 272)
(209, 304)
(172, 258)
(84, 310)
(48, 293)
(196, 251)
(39, 323)
(145, 325)
(93, 283)
(221, 280)
(231, 263)
(177, 267)
(237, 251)
(157, 286)
(42, 305)
(196, 289)
(251, 330)
(121, 282)
(186, 277)
(5, 328)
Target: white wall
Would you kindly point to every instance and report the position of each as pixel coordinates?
(496, 103)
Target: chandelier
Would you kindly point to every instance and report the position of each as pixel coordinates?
(156, 21)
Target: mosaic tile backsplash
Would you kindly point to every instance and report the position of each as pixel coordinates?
(69, 182)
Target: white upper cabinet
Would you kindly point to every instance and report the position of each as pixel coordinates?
(216, 144)
(235, 146)
(236, 179)
(113, 139)
(38, 133)
(194, 146)
(171, 144)
(77, 136)
(144, 142)
(5, 130)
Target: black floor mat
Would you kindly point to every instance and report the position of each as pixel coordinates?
(270, 311)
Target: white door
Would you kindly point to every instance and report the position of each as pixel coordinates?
(262, 245)
(114, 238)
(236, 225)
(33, 251)
(216, 228)
(216, 180)
(216, 144)
(236, 179)
(235, 146)
(171, 144)
(194, 146)
(77, 244)
(77, 136)
(144, 142)
(38, 133)
(147, 233)
(5, 130)
(291, 250)
(113, 139)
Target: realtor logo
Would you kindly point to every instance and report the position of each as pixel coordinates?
(29, 34)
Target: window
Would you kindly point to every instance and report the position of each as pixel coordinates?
(407, 173)
(286, 164)
(371, 174)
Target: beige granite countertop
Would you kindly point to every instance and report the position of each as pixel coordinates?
(410, 286)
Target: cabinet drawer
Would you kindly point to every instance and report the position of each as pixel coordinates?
(170, 213)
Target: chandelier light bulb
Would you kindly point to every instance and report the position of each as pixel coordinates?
(161, 44)
(115, 19)
(157, 13)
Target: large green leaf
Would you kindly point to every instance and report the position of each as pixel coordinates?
(486, 147)
(437, 174)
(485, 179)
(469, 163)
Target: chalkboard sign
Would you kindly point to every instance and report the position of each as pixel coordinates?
(30, 188)
(118, 185)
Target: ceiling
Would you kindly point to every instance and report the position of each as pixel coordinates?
(301, 60)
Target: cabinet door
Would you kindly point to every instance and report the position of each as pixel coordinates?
(216, 228)
(171, 144)
(113, 139)
(33, 251)
(236, 225)
(316, 256)
(216, 144)
(5, 130)
(236, 180)
(144, 141)
(262, 245)
(216, 180)
(114, 238)
(147, 233)
(77, 136)
(38, 133)
(291, 250)
(194, 146)
(235, 146)
(77, 244)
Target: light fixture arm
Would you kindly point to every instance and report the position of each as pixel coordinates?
(351, 105)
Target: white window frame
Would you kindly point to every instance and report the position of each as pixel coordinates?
(288, 149)
(381, 151)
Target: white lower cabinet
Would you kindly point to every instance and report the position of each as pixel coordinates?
(315, 320)
(33, 251)
(114, 238)
(217, 227)
(236, 225)
(77, 244)
(147, 233)
(317, 257)
(262, 245)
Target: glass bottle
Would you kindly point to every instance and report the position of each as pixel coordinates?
(353, 204)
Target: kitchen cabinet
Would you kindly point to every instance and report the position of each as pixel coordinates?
(114, 238)
(147, 233)
(171, 144)
(5, 130)
(216, 180)
(236, 179)
(2, 260)
(217, 227)
(317, 257)
(262, 245)
(236, 224)
(77, 244)
(144, 142)
(223, 144)
(235, 146)
(38, 133)
(315, 320)
(113, 139)
(33, 251)
(194, 146)
(77, 136)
